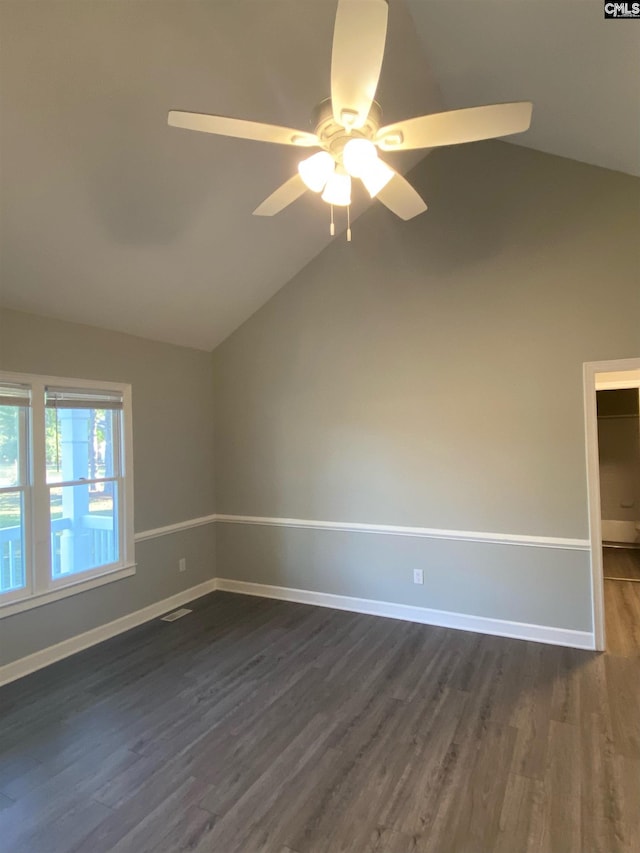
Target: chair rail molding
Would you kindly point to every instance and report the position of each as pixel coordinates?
(563, 543)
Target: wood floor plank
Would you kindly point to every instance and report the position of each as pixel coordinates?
(623, 693)
(5, 802)
(146, 817)
(254, 805)
(13, 764)
(520, 824)
(389, 841)
(150, 832)
(190, 830)
(470, 820)
(621, 563)
(602, 823)
(561, 817)
(428, 767)
(43, 806)
(622, 608)
(627, 771)
(61, 834)
(347, 813)
(261, 726)
(293, 814)
(565, 702)
(532, 712)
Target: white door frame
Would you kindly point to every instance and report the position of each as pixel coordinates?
(590, 370)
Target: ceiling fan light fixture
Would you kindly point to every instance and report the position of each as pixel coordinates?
(376, 177)
(338, 189)
(347, 124)
(316, 170)
(358, 156)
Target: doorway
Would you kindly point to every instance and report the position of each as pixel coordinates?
(612, 431)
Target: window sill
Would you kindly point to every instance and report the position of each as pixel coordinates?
(72, 588)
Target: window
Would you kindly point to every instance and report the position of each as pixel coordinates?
(66, 491)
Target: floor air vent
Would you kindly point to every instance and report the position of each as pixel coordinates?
(177, 614)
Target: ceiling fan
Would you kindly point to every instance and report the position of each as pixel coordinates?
(348, 125)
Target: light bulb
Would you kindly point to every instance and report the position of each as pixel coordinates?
(338, 189)
(376, 176)
(316, 170)
(357, 156)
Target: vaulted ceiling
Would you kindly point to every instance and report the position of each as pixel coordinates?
(111, 218)
(581, 72)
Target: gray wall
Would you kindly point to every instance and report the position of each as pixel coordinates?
(173, 454)
(430, 374)
(427, 374)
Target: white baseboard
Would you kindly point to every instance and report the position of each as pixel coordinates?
(620, 531)
(424, 615)
(38, 660)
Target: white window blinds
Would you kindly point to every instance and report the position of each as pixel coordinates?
(70, 398)
(14, 395)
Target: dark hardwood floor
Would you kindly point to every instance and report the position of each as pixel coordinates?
(261, 726)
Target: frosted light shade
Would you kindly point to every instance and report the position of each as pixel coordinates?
(316, 170)
(358, 155)
(338, 189)
(376, 176)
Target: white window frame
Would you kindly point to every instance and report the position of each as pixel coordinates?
(41, 587)
(24, 488)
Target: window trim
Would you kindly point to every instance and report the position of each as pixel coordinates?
(41, 588)
(24, 488)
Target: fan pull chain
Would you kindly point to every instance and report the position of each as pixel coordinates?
(332, 227)
(348, 223)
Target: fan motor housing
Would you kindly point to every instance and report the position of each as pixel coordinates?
(334, 136)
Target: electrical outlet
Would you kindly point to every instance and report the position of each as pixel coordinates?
(418, 576)
(182, 564)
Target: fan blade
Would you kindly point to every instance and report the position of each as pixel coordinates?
(358, 47)
(401, 198)
(456, 126)
(242, 129)
(282, 197)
